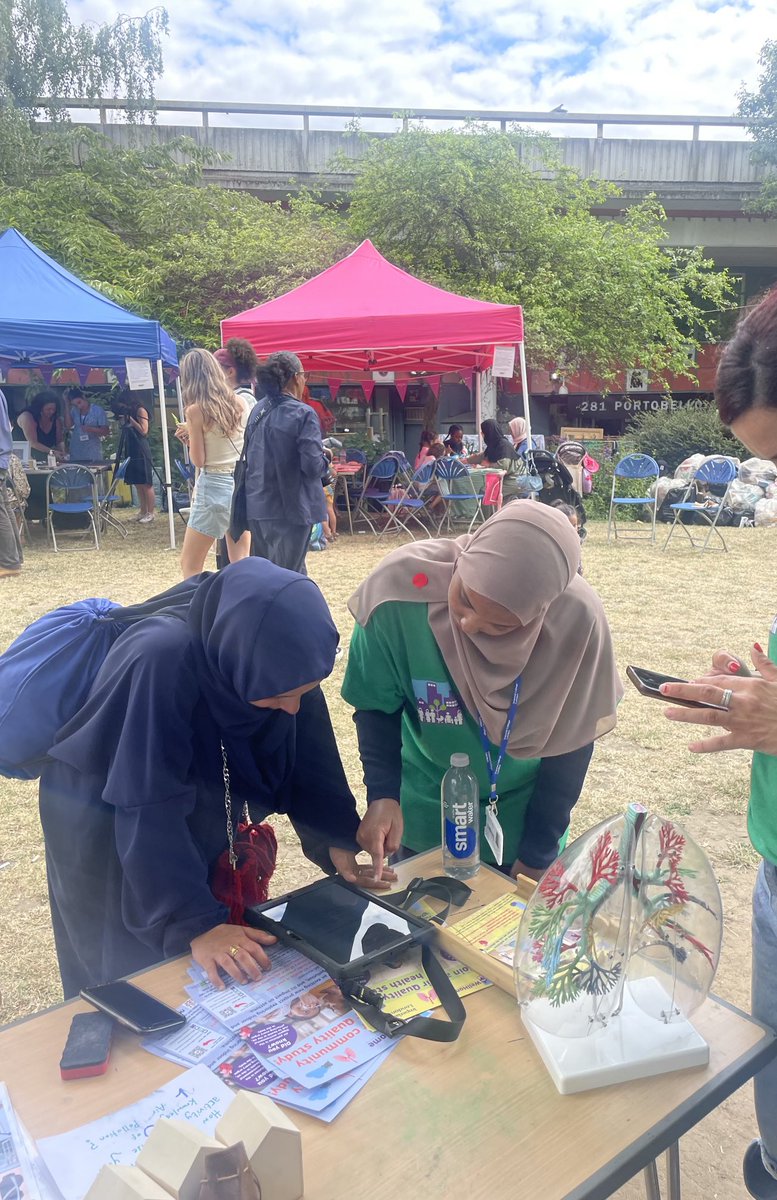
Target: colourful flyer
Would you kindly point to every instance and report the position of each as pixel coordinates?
(494, 928)
(407, 992)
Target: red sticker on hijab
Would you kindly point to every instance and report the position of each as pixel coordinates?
(420, 581)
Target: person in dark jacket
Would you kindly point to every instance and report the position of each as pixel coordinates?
(285, 466)
(132, 798)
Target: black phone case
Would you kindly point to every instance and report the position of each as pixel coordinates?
(88, 1041)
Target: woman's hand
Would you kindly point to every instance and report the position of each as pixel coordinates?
(215, 948)
(751, 718)
(182, 433)
(380, 832)
(363, 874)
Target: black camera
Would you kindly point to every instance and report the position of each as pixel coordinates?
(121, 408)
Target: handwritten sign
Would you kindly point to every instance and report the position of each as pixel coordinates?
(75, 1158)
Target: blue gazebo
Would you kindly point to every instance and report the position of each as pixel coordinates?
(50, 318)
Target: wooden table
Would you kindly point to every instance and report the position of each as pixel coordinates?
(476, 1120)
(345, 471)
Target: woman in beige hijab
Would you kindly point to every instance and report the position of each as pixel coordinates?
(444, 629)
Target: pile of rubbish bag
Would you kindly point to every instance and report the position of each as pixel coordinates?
(752, 497)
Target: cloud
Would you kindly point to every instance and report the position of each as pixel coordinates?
(642, 56)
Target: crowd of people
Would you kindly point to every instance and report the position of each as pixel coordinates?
(452, 649)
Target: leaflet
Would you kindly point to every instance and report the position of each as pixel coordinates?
(239, 1067)
(17, 1178)
(407, 992)
(494, 928)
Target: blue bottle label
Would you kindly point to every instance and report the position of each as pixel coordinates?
(460, 831)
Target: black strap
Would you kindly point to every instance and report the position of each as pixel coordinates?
(368, 1003)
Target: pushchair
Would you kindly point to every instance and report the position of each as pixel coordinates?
(557, 483)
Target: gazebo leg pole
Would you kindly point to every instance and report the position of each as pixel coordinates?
(477, 381)
(166, 452)
(525, 390)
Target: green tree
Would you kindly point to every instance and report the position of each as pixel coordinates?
(141, 226)
(496, 215)
(672, 436)
(43, 54)
(759, 109)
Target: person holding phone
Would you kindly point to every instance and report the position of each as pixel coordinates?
(456, 650)
(215, 426)
(224, 674)
(746, 394)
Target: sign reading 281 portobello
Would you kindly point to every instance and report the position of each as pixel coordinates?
(616, 406)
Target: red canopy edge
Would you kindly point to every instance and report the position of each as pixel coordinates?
(365, 314)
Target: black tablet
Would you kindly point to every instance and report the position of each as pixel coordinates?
(340, 926)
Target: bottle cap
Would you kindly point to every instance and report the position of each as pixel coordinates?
(459, 760)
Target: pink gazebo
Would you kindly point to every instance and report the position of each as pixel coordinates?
(365, 315)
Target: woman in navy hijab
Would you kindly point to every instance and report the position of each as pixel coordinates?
(132, 801)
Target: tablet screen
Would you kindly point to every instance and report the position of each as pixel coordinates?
(342, 924)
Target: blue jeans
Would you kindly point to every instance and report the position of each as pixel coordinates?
(764, 1004)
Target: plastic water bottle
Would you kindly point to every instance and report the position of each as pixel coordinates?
(460, 820)
(51, 459)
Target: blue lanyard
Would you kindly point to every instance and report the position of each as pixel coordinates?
(493, 770)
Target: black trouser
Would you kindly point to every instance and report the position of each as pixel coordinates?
(285, 545)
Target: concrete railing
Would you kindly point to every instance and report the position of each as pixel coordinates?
(306, 112)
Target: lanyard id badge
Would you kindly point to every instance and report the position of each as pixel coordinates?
(493, 831)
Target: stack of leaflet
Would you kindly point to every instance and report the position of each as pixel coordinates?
(292, 1035)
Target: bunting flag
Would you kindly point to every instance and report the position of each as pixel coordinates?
(467, 378)
(334, 387)
(401, 385)
(368, 387)
(83, 374)
(46, 371)
(121, 375)
(434, 382)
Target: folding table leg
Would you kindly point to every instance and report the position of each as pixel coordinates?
(652, 1186)
(673, 1172)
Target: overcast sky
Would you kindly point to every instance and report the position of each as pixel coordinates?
(668, 56)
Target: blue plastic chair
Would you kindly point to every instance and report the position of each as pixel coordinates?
(71, 492)
(450, 473)
(377, 487)
(715, 472)
(412, 503)
(633, 466)
(109, 499)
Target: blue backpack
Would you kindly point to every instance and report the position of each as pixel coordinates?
(47, 673)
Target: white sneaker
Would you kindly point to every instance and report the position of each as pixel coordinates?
(146, 520)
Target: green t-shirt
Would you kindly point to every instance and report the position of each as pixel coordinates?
(761, 818)
(395, 663)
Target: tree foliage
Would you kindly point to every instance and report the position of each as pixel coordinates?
(496, 215)
(44, 54)
(672, 436)
(759, 108)
(140, 225)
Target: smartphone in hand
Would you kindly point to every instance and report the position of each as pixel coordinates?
(648, 683)
(133, 1008)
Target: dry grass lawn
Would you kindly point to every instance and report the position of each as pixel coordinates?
(667, 611)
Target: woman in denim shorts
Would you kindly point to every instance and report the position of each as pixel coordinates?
(215, 424)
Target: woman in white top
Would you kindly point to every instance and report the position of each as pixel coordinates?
(215, 424)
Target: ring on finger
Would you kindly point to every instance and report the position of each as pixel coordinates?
(234, 951)
(728, 696)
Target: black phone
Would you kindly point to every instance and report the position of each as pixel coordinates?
(88, 1046)
(133, 1008)
(342, 928)
(648, 683)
